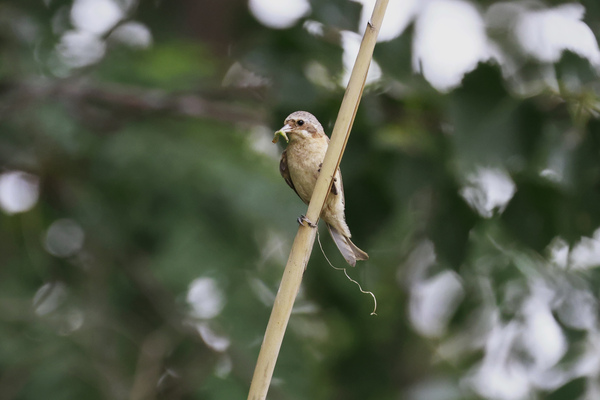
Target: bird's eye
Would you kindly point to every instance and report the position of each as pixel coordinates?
(300, 122)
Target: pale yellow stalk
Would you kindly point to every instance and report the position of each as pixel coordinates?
(305, 238)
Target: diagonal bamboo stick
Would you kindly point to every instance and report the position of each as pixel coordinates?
(305, 238)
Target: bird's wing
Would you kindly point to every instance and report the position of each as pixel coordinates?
(285, 172)
(338, 185)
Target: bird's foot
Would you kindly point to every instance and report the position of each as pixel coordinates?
(302, 220)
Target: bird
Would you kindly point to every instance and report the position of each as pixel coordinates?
(300, 166)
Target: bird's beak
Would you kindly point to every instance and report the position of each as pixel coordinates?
(282, 132)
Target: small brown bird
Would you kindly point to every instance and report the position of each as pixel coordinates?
(300, 167)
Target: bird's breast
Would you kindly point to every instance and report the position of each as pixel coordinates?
(304, 161)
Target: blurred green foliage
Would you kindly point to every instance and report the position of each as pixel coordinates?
(479, 207)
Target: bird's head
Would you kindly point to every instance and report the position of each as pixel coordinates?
(300, 125)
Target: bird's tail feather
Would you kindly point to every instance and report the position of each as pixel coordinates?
(348, 249)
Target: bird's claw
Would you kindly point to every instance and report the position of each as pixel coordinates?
(302, 220)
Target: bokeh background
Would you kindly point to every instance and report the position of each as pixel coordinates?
(144, 225)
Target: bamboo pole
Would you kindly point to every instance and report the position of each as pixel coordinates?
(305, 238)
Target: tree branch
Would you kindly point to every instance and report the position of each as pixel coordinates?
(129, 98)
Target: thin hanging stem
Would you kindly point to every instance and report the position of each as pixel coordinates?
(374, 312)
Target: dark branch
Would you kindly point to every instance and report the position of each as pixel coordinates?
(127, 98)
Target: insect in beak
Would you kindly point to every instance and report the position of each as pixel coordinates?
(282, 132)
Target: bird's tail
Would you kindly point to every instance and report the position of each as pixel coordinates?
(348, 249)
